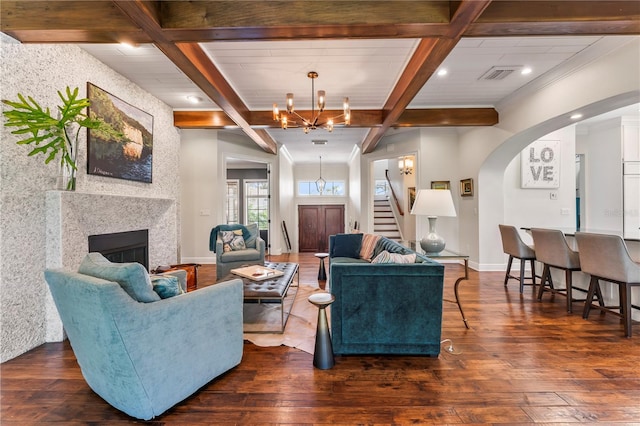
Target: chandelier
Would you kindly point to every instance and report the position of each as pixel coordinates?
(315, 121)
(320, 183)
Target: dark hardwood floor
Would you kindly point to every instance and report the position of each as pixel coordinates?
(521, 362)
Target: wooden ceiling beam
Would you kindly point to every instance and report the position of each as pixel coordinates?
(101, 21)
(294, 13)
(426, 59)
(429, 117)
(518, 18)
(196, 65)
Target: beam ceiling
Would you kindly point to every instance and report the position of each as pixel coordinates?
(176, 28)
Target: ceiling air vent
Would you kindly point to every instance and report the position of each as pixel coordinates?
(499, 72)
(319, 141)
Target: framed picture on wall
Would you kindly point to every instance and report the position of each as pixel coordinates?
(128, 154)
(412, 196)
(466, 187)
(440, 184)
(540, 165)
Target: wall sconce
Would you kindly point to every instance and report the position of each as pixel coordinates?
(405, 164)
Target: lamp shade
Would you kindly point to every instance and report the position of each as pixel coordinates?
(434, 202)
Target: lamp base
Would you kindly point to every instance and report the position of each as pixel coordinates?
(432, 243)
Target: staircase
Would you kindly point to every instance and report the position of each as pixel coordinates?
(384, 223)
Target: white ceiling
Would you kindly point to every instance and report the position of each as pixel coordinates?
(364, 70)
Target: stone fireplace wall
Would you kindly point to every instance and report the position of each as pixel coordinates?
(40, 227)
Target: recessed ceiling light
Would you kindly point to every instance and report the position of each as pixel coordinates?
(526, 70)
(194, 99)
(442, 72)
(128, 45)
(576, 116)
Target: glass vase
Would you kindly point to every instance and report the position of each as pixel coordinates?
(66, 180)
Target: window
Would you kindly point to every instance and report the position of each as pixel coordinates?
(257, 202)
(382, 187)
(331, 188)
(233, 215)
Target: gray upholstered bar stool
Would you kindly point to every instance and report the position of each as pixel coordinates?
(605, 257)
(554, 252)
(513, 245)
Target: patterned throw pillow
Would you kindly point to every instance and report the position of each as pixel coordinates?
(166, 286)
(386, 257)
(232, 240)
(369, 242)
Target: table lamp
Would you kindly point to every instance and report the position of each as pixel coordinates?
(433, 203)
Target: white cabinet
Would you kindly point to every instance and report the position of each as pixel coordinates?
(630, 142)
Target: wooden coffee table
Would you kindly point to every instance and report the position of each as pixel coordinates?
(272, 291)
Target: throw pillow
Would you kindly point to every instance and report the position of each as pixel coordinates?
(386, 257)
(166, 286)
(132, 277)
(369, 242)
(382, 257)
(232, 240)
(346, 245)
(252, 235)
(403, 258)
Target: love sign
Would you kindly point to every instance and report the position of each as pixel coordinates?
(540, 165)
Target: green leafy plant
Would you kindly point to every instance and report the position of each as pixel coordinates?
(52, 136)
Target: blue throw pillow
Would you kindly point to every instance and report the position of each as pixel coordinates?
(346, 245)
(166, 286)
(251, 236)
(132, 277)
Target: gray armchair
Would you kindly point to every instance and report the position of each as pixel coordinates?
(144, 356)
(226, 261)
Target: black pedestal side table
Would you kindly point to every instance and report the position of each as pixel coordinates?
(323, 352)
(322, 273)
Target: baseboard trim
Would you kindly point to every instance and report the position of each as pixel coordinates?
(201, 260)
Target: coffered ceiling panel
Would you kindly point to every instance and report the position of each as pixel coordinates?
(264, 72)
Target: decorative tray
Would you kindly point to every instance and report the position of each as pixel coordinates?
(257, 272)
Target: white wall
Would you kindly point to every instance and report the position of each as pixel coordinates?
(355, 188)
(287, 199)
(602, 149)
(41, 70)
(534, 207)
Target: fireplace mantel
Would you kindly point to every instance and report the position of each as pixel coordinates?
(73, 216)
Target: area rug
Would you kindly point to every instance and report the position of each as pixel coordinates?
(300, 331)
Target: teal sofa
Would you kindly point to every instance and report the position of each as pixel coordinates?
(140, 353)
(386, 308)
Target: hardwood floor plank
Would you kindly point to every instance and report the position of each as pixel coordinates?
(521, 362)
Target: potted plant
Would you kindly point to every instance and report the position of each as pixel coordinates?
(53, 137)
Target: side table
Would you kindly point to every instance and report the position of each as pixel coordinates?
(323, 352)
(322, 273)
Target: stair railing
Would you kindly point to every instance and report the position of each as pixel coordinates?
(393, 194)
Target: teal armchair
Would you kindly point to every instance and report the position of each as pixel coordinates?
(253, 254)
(145, 357)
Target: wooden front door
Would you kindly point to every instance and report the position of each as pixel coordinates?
(316, 223)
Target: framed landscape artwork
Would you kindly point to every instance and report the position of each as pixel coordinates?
(440, 184)
(466, 187)
(128, 154)
(412, 196)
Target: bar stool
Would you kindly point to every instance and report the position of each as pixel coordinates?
(554, 252)
(513, 245)
(605, 257)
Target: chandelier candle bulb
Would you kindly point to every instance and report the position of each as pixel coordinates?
(276, 112)
(289, 103)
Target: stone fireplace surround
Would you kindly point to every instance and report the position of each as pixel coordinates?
(73, 216)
